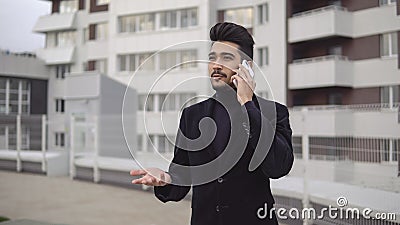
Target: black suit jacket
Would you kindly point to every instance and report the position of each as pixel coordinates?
(236, 196)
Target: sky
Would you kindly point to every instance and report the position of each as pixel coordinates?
(17, 18)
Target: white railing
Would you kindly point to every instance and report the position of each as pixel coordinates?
(358, 149)
(320, 59)
(323, 9)
(355, 107)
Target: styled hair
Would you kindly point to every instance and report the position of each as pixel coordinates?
(235, 33)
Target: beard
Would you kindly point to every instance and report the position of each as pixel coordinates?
(219, 84)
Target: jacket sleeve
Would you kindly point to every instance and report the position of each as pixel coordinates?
(179, 175)
(279, 159)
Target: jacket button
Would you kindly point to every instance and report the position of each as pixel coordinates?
(220, 180)
(217, 208)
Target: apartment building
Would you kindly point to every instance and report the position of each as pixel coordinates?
(115, 38)
(334, 63)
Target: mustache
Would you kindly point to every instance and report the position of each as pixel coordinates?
(218, 72)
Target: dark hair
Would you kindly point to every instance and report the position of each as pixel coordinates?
(235, 33)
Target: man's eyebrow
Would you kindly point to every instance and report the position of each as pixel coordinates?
(227, 53)
(222, 53)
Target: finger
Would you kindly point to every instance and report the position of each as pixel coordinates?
(137, 172)
(137, 181)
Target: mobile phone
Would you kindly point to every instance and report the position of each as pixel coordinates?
(247, 66)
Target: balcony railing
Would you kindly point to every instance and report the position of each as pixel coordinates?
(354, 107)
(323, 9)
(320, 58)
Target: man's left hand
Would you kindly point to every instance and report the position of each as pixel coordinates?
(245, 84)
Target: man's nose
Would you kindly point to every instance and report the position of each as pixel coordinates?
(216, 66)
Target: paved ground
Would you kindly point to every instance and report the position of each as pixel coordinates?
(64, 201)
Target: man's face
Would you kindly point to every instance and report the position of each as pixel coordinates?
(223, 57)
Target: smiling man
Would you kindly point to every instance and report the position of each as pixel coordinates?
(250, 132)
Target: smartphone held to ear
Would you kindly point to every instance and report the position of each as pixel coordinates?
(247, 66)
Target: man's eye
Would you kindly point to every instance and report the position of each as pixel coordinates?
(211, 58)
(228, 58)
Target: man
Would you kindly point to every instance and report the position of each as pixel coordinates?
(248, 128)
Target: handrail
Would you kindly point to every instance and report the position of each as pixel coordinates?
(321, 58)
(326, 8)
(355, 107)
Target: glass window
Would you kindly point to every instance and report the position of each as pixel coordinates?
(147, 106)
(262, 11)
(68, 6)
(102, 2)
(168, 60)
(146, 62)
(168, 20)
(263, 56)
(60, 105)
(161, 102)
(188, 56)
(101, 31)
(122, 62)
(65, 38)
(61, 70)
(3, 83)
(387, 2)
(389, 44)
(243, 16)
(146, 22)
(51, 40)
(169, 104)
(193, 17)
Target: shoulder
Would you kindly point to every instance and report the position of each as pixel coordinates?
(269, 106)
(198, 108)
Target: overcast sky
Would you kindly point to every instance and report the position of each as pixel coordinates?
(17, 18)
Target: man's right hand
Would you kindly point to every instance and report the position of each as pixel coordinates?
(151, 177)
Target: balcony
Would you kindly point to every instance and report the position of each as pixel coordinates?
(320, 23)
(325, 71)
(364, 120)
(54, 22)
(59, 55)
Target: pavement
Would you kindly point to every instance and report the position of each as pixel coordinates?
(32, 199)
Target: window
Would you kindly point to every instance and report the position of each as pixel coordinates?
(60, 39)
(146, 102)
(59, 138)
(101, 31)
(61, 70)
(387, 2)
(60, 105)
(184, 58)
(188, 17)
(65, 38)
(132, 61)
(101, 66)
(389, 95)
(242, 16)
(263, 56)
(102, 2)
(262, 11)
(166, 101)
(14, 96)
(389, 44)
(68, 6)
(166, 20)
